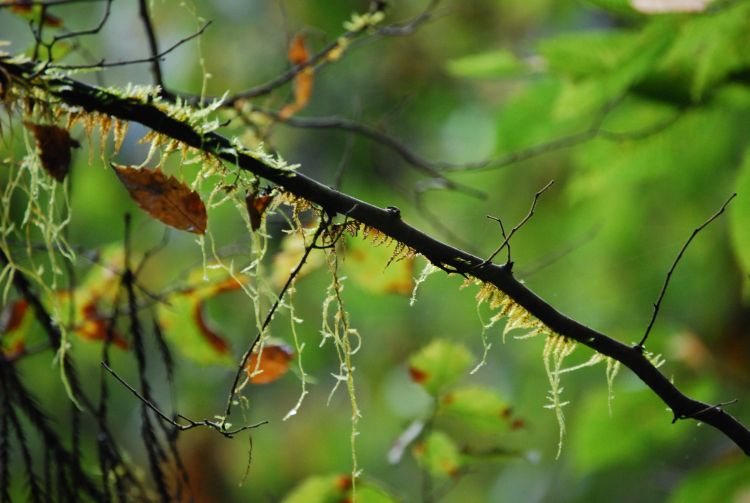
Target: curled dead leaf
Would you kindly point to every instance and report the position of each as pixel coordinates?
(54, 148)
(256, 207)
(297, 51)
(209, 334)
(164, 198)
(303, 82)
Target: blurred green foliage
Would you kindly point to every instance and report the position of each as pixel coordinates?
(642, 122)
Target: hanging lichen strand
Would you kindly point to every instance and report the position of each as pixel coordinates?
(556, 347)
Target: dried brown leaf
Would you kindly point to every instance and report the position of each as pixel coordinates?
(274, 363)
(164, 198)
(54, 145)
(256, 207)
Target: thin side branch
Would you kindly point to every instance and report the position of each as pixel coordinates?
(506, 241)
(153, 44)
(389, 141)
(657, 304)
(218, 426)
(324, 55)
(103, 64)
(269, 316)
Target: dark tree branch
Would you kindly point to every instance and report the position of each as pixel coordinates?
(75, 93)
(657, 304)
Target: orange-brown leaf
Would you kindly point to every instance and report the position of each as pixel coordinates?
(256, 206)
(274, 363)
(164, 198)
(303, 82)
(54, 145)
(26, 9)
(297, 50)
(12, 316)
(94, 327)
(418, 376)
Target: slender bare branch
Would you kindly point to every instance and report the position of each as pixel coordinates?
(506, 241)
(408, 155)
(657, 304)
(103, 64)
(214, 425)
(153, 44)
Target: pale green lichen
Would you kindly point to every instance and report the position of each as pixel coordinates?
(360, 22)
(556, 349)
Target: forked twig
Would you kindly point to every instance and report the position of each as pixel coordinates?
(103, 64)
(657, 304)
(506, 241)
(214, 425)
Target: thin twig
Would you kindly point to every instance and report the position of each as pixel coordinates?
(103, 64)
(506, 241)
(408, 155)
(44, 3)
(505, 236)
(269, 316)
(322, 57)
(657, 304)
(595, 130)
(220, 427)
(704, 410)
(153, 44)
(91, 31)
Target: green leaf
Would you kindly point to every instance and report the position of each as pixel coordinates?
(529, 120)
(699, 142)
(739, 216)
(439, 364)
(15, 321)
(184, 322)
(498, 63)
(718, 483)
(320, 489)
(474, 411)
(587, 54)
(439, 455)
(602, 66)
(370, 267)
(337, 489)
(615, 6)
(369, 493)
(709, 48)
(600, 441)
